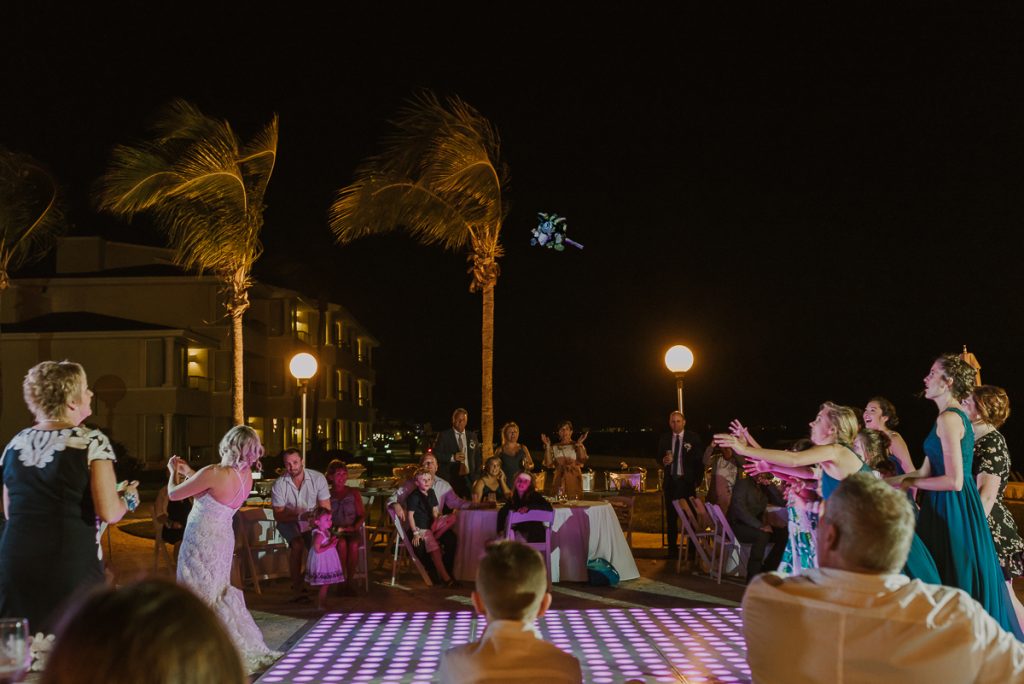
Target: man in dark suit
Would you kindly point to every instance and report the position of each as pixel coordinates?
(682, 454)
(458, 452)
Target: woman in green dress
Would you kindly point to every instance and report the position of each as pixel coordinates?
(952, 522)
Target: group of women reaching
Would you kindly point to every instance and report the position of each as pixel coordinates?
(965, 536)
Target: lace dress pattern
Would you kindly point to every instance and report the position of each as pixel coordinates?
(204, 566)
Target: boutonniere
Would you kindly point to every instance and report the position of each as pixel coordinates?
(687, 446)
(472, 444)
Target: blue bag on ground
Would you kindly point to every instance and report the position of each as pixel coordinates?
(601, 573)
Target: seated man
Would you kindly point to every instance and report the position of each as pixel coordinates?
(447, 500)
(297, 492)
(512, 591)
(750, 499)
(857, 618)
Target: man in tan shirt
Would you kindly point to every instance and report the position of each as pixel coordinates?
(857, 619)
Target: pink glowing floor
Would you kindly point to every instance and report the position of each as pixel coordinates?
(618, 645)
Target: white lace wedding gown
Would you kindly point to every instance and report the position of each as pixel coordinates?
(204, 566)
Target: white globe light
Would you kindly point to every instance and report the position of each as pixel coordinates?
(679, 359)
(302, 366)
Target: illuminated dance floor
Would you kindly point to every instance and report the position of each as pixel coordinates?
(616, 645)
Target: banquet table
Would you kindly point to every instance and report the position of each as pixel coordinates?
(582, 531)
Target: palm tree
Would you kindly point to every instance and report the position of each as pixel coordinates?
(30, 212)
(30, 215)
(441, 180)
(205, 190)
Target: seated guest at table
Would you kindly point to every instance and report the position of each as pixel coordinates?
(858, 619)
(567, 458)
(423, 516)
(750, 499)
(515, 457)
(447, 500)
(491, 485)
(347, 517)
(297, 492)
(153, 631)
(525, 497)
(512, 591)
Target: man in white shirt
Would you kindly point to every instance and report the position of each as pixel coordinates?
(857, 619)
(512, 591)
(297, 492)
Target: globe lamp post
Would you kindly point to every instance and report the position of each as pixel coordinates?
(678, 360)
(303, 367)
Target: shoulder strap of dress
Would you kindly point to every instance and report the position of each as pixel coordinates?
(960, 412)
(241, 484)
(854, 452)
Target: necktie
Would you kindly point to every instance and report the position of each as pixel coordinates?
(678, 468)
(462, 445)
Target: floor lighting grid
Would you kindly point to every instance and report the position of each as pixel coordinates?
(700, 644)
(617, 645)
(373, 647)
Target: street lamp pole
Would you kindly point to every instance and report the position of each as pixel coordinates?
(303, 367)
(678, 360)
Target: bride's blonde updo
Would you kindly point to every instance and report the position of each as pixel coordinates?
(240, 447)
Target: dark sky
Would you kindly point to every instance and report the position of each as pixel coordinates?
(816, 203)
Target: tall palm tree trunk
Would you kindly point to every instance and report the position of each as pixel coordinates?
(487, 382)
(237, 367)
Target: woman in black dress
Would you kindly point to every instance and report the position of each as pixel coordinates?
(988, 407)
(59, 486)
(514, 456)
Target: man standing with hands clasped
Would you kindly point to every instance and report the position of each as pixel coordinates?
(681, 453)
(458, 450)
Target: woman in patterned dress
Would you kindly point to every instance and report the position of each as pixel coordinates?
(988, 407)
(59, 489)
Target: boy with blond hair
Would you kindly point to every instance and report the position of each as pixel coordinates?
(512, 591)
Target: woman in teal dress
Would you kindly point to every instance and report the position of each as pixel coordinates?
(952, 522)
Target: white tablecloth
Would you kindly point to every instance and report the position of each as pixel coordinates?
(585, 530)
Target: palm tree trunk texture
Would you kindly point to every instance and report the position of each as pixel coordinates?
(237, 367)
(487, 381)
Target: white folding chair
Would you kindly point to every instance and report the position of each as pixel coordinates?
(727, 542)
(702, 538)
(547, 518)
(404, 546)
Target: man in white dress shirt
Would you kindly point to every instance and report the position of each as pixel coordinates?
(297, 492)
(512, 591)
(858, 619)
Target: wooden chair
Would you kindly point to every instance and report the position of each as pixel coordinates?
(702, 538)
(247, 520)
(362, 568)
(623, 506)
(160, 546)
(403, 549)
(544, 547)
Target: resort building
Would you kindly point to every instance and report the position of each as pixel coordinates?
(154, 342)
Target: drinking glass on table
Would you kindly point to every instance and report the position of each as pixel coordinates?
(15, 655)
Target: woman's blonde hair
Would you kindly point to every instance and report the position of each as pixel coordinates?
(505, 428)
(240, 447)
(843, 419)
(48, 386)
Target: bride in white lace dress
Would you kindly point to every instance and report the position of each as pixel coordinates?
(204, 561)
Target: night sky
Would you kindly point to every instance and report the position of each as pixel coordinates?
(817, 204)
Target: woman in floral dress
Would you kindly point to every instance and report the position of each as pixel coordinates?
(988, 407)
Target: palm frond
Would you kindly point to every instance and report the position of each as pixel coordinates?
(31, 214)
(439, 178)
(205, 190)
